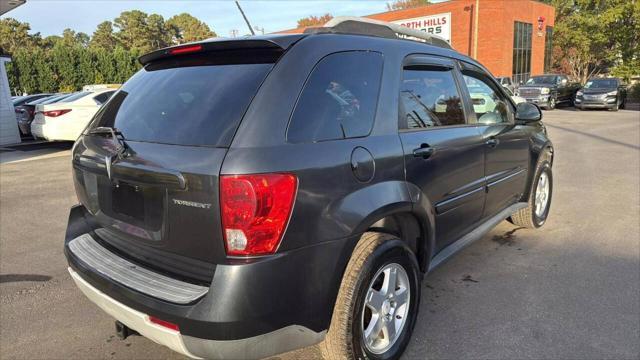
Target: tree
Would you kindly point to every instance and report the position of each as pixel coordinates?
(132, 26)
(103, 37)
(406, 4)
(593, 36)
(15, 34)
(186, 28)
(314, 20)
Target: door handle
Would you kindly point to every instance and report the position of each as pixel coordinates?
(492, 142)
(424, 151)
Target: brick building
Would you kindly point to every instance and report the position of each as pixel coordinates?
(510, 37)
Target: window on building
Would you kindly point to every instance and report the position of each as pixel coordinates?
(430, 97)
(522, 33)
(339, 100)
(548, 49)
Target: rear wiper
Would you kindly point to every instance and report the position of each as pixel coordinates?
(116, 137)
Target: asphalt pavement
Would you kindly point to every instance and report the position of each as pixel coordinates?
(570, 290)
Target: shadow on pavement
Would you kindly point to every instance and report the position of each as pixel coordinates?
(23, 277)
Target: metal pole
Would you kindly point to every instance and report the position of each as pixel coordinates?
(475, 33)
(245, 18)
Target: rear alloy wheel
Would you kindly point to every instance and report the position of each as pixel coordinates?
(377, 303)
(385, 308)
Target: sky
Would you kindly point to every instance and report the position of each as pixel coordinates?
(51, 17)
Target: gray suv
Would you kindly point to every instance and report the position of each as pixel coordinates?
(240, 198)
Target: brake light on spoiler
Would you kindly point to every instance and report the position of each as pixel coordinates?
(185, 49)
(255, 211)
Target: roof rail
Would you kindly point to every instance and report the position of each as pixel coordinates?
(366, 26)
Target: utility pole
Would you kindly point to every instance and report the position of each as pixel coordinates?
(258, 28)
(234, 32)
(245, 18)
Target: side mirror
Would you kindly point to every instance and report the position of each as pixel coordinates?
(527, 112)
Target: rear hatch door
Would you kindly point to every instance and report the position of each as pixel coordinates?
(157, 200)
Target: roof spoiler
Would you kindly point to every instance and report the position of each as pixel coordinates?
(372, 27)
(219, 44)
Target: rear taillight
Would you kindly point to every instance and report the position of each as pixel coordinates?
(163, 323)
(55, 113)
(255, 211)
(31, 112)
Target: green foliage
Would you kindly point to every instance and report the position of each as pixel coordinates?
(591, 36)
(103, 37)
(634, 92)
(15, 34)
(406, 4)
(314, 20)
(74, 59)
(185, 28)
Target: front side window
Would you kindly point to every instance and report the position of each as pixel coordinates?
(488, 104)
(339, 99)
(429, 97)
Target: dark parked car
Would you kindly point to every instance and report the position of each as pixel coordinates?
(549, 90)
(603, 93)
(26, 112)
(240, 198)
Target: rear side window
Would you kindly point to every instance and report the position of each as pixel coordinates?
(339, 99)
(199, 105)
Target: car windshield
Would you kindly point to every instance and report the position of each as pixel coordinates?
(536, 80)
(601, 83)
(43, 100)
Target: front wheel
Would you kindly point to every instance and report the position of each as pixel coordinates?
(539, 202)
(377, 303)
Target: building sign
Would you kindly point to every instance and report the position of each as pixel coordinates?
(439, 24)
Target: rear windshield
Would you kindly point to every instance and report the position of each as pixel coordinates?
(198, 105)
(75, 97)
(55, 99)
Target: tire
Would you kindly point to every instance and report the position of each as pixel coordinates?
(528, 217)
(551, 104)
(373, 253)
(615, 107)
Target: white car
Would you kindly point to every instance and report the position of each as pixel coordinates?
(65, 120)
(516, 99)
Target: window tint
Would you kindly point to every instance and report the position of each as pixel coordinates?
(102, 98)
(430, 98)
(339, 99)
(186, 105)
(488, 104)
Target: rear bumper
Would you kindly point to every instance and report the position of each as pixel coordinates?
(50, 132)
(251, 348)
(253, 308)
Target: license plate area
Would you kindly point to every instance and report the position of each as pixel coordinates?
(128, 200)
(141, 206)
